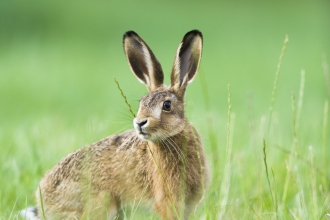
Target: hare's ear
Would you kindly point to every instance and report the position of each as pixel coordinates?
(186, 61)
(142, 61)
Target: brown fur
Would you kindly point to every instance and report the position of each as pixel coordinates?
(160, 163)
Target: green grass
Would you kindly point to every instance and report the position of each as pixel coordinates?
(57, 94)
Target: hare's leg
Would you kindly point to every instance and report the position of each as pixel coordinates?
(190, 210)
(114, 211)
(168, 207)
(191, 205)
(101, 205)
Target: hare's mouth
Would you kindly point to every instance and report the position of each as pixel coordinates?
(140, 131)
(143, 135)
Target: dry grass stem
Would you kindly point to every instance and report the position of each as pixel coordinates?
(267, 177)
(152, 154)
(122, 94)
(277, 74)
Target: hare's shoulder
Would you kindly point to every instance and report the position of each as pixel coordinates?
(72, 165)
(117, 141)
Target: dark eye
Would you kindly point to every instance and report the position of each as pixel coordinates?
(167, 106)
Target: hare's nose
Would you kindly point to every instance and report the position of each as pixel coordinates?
(141, 123)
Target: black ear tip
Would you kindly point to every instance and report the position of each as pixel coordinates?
(194, 32)
(130, 34)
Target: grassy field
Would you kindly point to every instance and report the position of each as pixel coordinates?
(57, 94)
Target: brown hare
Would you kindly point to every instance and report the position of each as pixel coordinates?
(160, 163)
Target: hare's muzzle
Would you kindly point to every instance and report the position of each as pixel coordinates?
(140, 126)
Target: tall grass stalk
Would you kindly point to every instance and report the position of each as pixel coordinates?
(301, 200)
(12, 210)
(326, 73)
(123, 95)
(213, 200)
(294, 162)
(324, 143)
(42, 204)
(268, 181)
(325, 122)
(301, 96)
(152, 155)
(225, 185)
(200, 167)
(210, 121)
(292, 153)
(164, 181)
(134, 209)
(296, 120)
(183, 172)
(313, 183)
(279, 65)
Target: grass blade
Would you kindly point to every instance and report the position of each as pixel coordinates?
(42, 205)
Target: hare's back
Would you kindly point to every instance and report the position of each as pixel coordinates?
(94, 160)
(109, 165)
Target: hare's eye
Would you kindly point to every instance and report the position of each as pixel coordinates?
(167, 106)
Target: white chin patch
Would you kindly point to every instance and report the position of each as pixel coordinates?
(142, 136)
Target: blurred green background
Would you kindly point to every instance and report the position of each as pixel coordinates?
(58, 60)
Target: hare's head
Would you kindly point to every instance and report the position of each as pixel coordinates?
(161, 112)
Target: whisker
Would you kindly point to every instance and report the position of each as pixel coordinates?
(174, 145)
(163, 139)
(125, 128)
